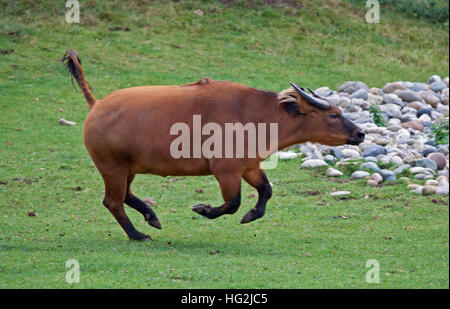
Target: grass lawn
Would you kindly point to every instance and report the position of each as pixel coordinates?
(307, 238)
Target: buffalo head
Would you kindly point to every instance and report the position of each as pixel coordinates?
(321, 121)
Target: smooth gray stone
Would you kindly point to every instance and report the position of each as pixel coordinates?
(426, 163)
(351, 86)
(360, 94)
(337, 153)
(422, 111)
(419, 176)
(428, 149)
(438, 86)
(409, 95)
(388, 175)
(371, 159)
(373, 151)
(401, 168)
(371, 166)
(330, 159)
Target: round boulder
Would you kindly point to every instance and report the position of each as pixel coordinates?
(428, 149)
(438, 86)
(372, 183)
(402, 168)
(332, 172)
(350, 153)
(374, 151)
(359, 175)
(409, 95)
(443, 187)
(439, 159)
(434, 78)
(429, 98)
(377, 177)
(429, 190)
(360, 94)
(392, 110)
(444, 99)
(416, 105)
(414, 124)
(423, 111)
(314, 163)
(350, 87)
(391, 98)
(388, 175)
(392, 87)
(371, 166)
(426, 163)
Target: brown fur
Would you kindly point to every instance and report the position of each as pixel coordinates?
(127, 133)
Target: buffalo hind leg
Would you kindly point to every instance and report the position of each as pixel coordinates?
(134, 202)
(115, 191)
(230, 184)
(258, 180)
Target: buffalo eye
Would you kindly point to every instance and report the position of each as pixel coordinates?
(335, 116)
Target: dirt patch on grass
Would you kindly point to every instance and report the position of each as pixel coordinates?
(388, 184)
(336, 180)
(12, 33)
(112, 29)
(439, 202)
(27, 181)
(6, 51)
(251, 3)
(310, 193)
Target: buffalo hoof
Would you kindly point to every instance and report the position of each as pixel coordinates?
(152, 220)
(146, 238)
(252, 215)
(207, 211)
(142, 238)
(155, 223)
(202, 209)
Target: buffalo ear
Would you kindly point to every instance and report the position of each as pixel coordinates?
(296, 105)
(293, 103)
(292, 108)
(303, 106)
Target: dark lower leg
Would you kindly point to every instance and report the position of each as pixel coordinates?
(118, 212)
(231, 192)
(143, 208)
(258, 180)
(139, 205)
(115, 191)
(229, 208)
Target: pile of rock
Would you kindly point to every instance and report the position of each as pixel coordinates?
(438, 186)
(406, 143)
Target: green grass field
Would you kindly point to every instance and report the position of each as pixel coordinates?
(307, 238)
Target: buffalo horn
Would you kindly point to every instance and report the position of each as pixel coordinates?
(320, 103)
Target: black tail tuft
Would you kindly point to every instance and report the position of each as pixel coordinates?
(70, 66)
(72, 63)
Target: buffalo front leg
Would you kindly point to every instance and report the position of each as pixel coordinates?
(258, 180)
(134, 202)
(230, 184)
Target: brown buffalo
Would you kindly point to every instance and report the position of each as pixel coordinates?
(128, 133)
